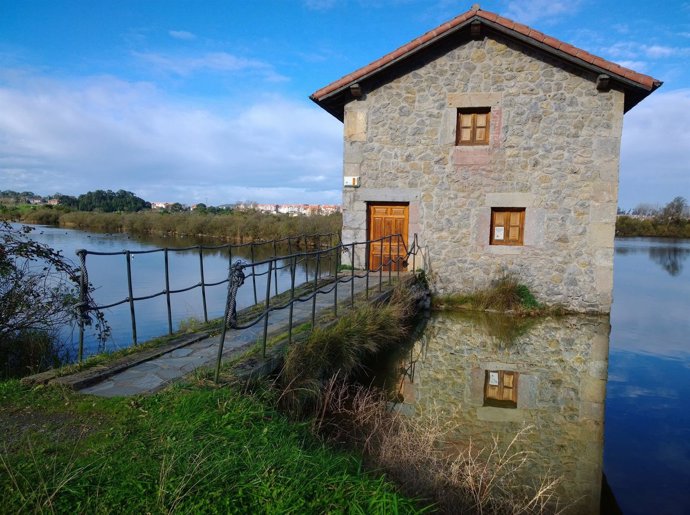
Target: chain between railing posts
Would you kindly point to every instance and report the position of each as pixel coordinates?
(167, 291)
(83, 281)
(235, 280)
(316, 287)
(130, 294)
(203, 282)
(267, 305)
(256, 299)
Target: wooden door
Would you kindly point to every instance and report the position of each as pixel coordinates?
(386, 219)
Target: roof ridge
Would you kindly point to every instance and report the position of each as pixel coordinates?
(645, 81)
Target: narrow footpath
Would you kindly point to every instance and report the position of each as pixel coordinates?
(156, 373)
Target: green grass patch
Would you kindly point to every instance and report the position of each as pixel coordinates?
(189, 449)
(506, 294)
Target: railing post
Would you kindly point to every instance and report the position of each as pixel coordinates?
(414, 255)
(390, 258)
(293, 273)
(367, 261)
(251, 246)
(316, 287)
(133, 317)
(267, 304)
(352, 275)
(397, 258)
(203, 282)
(335, 294)
(167, 291)
(83, 282)
(275, 268)
(381, 264)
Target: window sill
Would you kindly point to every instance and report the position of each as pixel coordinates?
(505, 250)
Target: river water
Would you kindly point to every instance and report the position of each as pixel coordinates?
(108, 275)
(600, 394)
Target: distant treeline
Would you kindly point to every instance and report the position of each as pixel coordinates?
(229, 226)
(670, 221)
(100, 200)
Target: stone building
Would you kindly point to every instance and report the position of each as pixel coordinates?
(499, 147)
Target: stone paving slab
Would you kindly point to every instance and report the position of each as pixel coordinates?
(155, 374)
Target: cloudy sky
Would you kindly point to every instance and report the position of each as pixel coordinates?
(207, 101)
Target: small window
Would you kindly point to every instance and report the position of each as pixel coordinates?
(473, 126)
(507, 226)
(500, 389)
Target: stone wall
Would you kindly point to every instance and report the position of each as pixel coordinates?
(562, 366)
(554, 150)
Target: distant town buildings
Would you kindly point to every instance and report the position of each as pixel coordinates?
(290, 209)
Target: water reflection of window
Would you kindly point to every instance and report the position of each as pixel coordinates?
(500, 388)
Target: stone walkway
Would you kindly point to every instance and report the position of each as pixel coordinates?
(153, 375)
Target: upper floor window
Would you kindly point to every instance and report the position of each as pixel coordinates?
(507, 226)
(473, 126)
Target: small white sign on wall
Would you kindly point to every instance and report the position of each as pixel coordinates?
(498, 233)
(493, 378)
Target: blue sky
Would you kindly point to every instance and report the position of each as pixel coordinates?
(195, 101)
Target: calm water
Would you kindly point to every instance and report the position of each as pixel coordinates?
(108, 274)
(563, 372)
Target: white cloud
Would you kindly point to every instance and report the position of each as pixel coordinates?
(106, 133)
(214, 61)
(631, 50)
(181, 34)
(529, 11)
(655, 154)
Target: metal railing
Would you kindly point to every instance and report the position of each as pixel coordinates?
(386, 263)
(305, 241)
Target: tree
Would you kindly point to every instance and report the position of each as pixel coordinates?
(39, 289)
(675, 211)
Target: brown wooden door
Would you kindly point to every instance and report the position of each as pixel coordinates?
(386, 220)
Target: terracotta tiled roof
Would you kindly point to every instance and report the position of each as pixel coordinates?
(643, 81)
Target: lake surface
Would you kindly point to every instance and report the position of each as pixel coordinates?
(599, 394)
(108, 274)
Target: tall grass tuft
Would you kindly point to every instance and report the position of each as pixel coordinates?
(342, 349)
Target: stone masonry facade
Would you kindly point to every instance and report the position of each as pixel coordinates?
(554, 151)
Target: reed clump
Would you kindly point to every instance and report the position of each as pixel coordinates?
(341, 349)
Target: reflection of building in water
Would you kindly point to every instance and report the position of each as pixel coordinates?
(550, 374)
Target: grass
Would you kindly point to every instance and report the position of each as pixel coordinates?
(192, 448)
(506, 294)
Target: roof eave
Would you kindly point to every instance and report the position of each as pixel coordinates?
(637, 90)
